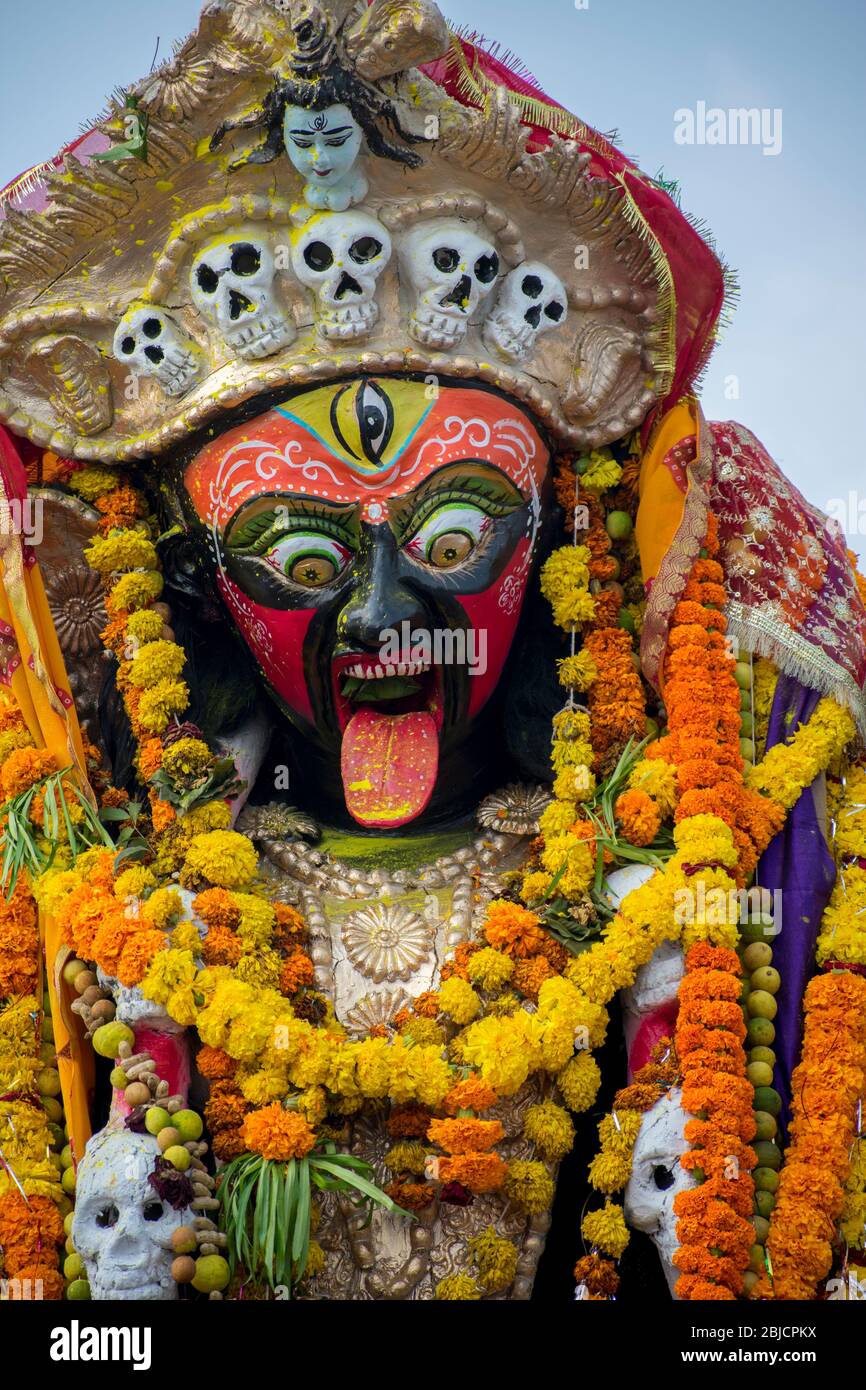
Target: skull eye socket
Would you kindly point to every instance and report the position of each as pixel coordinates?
(366, 248)
(663, 1177)
(554, 310)
(128, 346)
(152, 1211)
(533, 315)
(151, 328)
(318, 255)
(246, 260)
(487, 268)
(107, 1216)
(531, 286)
(208, 280)
(446, 259)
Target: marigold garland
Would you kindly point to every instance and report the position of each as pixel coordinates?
(714, 1230)
(826, 1090)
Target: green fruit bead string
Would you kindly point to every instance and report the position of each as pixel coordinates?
(760, 986)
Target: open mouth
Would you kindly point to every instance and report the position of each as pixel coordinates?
(390, 715)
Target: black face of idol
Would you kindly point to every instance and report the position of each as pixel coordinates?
(381, 618)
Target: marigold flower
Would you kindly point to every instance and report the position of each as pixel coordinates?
(278, 1134)
(579, 1082)
(495, 1259)
(458, 1000)
(478, 1172)
(470, 1094)
(222, 857)
(513, 929)
(550, 1129)
(606, 1229)
(214, 1063)
(462, 1136)
(639, 817)
(22, 768)
(457, 1288)
(296, 972)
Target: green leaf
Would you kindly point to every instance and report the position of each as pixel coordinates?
(301, 1237)
(371, 691)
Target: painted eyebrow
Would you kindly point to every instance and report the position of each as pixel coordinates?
(326, 130)
(341, 514)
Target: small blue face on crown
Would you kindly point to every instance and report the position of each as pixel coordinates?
(324, 146)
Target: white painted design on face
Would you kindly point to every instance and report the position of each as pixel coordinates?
(323, 146)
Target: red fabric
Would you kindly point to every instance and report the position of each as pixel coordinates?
(659, 1024)
(11, 464)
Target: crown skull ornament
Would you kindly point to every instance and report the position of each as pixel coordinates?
(311, 204)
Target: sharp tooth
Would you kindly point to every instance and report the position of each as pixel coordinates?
(403, 670)
(390, 670)
(378, 673)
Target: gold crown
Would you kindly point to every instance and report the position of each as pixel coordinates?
(196, 266)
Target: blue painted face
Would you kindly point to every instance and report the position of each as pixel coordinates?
(322, 145)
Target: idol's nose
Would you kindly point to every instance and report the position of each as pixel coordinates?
(380, 601)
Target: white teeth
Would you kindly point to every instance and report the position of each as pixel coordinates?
(376, 673)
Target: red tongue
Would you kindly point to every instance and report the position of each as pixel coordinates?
(389, 764)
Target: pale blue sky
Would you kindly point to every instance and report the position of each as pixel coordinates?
(792, 225)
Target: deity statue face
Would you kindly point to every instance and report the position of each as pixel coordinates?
(323, 146)
(372, 540)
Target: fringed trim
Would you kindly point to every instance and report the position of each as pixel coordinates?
(475, 87)
(464, 33)
(27, 183)
(797, 658)
(665, 352)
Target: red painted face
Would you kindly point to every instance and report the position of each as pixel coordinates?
(373, 540)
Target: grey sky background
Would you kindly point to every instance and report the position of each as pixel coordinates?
(792, 225)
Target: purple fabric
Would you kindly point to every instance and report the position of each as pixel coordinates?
(798, 864)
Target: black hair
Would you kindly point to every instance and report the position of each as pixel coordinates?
(336, 86)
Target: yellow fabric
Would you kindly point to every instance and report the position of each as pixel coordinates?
(662, 504)
(75, 1061)
(53, 725)
(24, 608)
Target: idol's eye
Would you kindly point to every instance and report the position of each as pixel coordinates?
(309, 559)
(449, 535)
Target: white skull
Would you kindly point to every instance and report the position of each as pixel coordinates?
(150, 343)
(657, 1176)
(532, 300)
(232, 282)
(340, 256)
(122, 1228)
(451, 269)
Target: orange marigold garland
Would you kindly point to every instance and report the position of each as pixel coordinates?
(827, 1088)
(714, 1229)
